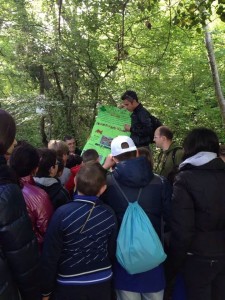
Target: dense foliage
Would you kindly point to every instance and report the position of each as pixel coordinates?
(64, 58)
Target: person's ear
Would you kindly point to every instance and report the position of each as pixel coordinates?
(102, 189)
(34, 172)
(52, 171)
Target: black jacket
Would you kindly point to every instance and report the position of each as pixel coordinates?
(141, 126)
(131, 175)
(53, 187)
(18, 245)
(198, 211)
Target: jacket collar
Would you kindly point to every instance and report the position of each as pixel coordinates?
(215, 164)
(45, 181)
(140, 106)
(199, 159)
(86, 199)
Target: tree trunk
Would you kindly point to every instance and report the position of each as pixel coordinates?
(42, 121)
(215, 73)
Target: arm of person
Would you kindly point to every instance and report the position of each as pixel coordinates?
(113, 237)
(109, 162)
(127, 127)
(182, 224)
(167, 202)
(51, 253)
(43, 214)
(18, 241)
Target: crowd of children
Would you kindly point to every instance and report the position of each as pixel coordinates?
(60, 214)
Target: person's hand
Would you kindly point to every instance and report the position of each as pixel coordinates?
(121, 106)
(46, 298)
(109, 162)
(127, 127)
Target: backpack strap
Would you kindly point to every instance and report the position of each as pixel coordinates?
(174, 151)
(174, 154)
(122, 192)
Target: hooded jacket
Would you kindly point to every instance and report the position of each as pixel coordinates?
(18, 245)
(54, 189)
(198, 210)
(155, 199)
(133, 174)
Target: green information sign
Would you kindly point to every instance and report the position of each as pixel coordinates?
(108, 125)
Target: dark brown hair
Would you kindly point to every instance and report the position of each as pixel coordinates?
(90, 155)
(143, 151)
(47, 160)
(200, 139)
(24, 159)
(90, 178)
(7, 131)
(166, 131)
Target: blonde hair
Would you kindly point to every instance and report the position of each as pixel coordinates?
(59, 146)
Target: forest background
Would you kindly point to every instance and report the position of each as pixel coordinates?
(61, 59)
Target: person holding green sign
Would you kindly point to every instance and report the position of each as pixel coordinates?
(143, 124)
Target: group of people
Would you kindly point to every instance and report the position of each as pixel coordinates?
(60, 214)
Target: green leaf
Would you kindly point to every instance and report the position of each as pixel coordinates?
(198, 30)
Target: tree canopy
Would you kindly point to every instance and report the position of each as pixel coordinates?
(61, 59)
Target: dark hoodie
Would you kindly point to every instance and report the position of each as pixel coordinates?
(53, 187)
(132, 174)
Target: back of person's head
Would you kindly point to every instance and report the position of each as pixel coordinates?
(7, 131)
(47, 160)
(200, 139)
(24, 160)
(22, 142)
(90, 155)
(123, 148)
(59, 146)
(73, 160)
(143, 151)
(91, 178)
(166, 131)
(130, 96)
(60, 164)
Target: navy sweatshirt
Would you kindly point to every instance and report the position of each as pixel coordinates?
(70, 250)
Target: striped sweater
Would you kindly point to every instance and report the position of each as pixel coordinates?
(80, 240)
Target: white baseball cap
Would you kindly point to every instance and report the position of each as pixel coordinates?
(116, 145)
